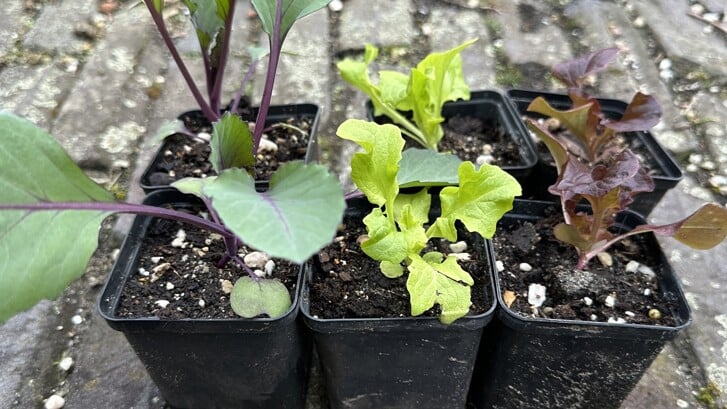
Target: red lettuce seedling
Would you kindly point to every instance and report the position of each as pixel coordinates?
(592, 166)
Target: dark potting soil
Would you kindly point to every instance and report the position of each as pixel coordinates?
(184, 156)
(347, 283)
(553, 263)
(186, 277)
(470, 137)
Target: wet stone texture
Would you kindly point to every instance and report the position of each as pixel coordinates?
(104, 85)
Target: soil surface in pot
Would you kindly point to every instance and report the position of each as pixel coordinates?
(471, 138)
(603, 293)
(184, 156)
(176, 275)
(348, 284)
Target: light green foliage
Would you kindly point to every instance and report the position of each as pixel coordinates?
(37, 259)
(231, 144)
(292, 220)
(251, 298)
(438, 78)
(396, 228)
(424, 167)
(292, 10)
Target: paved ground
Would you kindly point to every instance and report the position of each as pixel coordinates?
(96, 75)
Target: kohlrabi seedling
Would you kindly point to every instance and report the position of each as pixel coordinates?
(593, 166)
(438, 78)
(398, 227)
(46, 199)
(212, 20)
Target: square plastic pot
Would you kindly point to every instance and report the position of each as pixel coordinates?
(211, 363)
(527, 362)
(276, 114)
(667, 171)
(395, 363)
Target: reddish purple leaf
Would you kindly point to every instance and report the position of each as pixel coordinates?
(573, 72)
(642, 114)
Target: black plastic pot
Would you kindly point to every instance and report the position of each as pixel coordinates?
(529, 362)
(211, 363)
(667, 172)
(276, 114)
(395, 363)
(492, 107)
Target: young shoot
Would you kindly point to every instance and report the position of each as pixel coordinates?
(399, 226)
(438, 78)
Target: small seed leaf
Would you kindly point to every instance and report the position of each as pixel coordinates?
(252, 298)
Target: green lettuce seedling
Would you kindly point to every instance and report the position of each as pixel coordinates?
(46, 199)
(438, 78)
(592, 166)
(396, 227)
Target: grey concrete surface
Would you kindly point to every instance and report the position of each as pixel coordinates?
(93, 79)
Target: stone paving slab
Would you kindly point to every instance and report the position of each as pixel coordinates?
(57, 35)
(13, 16)
(708, 50)
(384, 24)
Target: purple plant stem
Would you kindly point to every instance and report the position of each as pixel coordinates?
(211, 115)
(216, 91)
(236, 102)
(115, 207)
(274, 57)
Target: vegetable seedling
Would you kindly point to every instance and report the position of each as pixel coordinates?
(591, 165)
(396, 226)
(46, 199)
(436, 79)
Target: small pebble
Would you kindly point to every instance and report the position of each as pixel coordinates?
(630, 314)
(647, 292)
(525, 267)
(226, 286)
(588, 301)
(269, 267)
(179, 239)
(536, 295)
(665, 64)
(162, 303)
(66, 364)
(647, 271)
(617, 320)
(156, 260)
(632, 266)
(143, 272)
(594, 317)
(487, 149)
(605, 259)
(267, 145)
(458, 247)
(610, 301)
(335, 5)
(256, 259)
(169, 286)
(499, 266)
(484, 159)
(54, 402)
(259, 273)
(462, 256)
(76, 319)
(201, 303)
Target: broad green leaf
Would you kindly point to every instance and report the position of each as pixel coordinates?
(37, 259)
(419, 204)
(424, 167)
(231, 144)
(557, 149)
(391, 270)
(482, 198)
(428, 283)
(193, 186)
(251, 298)
(292, 10)
(292, 220)
(374, 170)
